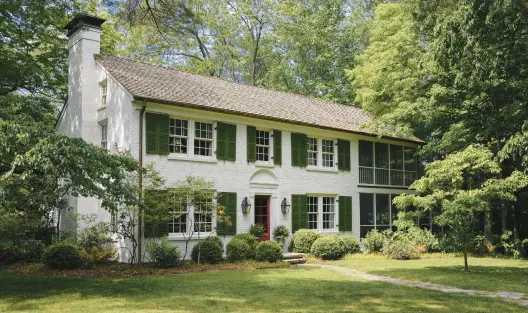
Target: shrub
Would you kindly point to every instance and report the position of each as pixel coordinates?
(373, 241)
(351, 244)
(281, 231)
(251, 241)
(98, 255)
(95, 235)
(163, 254)
(445, 243)
(207, 251)
(303, 240)
(481, 246)
(268, 251)
(21, 251)
(423, 238)
(257, 230)
(62, 256)
(401, 248)
(511, 247)
(216, 240)
(238, 250)
(330, 247)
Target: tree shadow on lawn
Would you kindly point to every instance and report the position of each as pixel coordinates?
(490, 278)
(292, 290)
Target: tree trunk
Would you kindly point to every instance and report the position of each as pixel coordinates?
(487, 226)
(466, 268)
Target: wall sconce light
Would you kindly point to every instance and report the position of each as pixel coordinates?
(245, 205)
(285, 206)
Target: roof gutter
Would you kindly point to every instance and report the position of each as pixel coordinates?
(140, 182)
(264, 117)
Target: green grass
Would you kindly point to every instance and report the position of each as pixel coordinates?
(490, 274)
(276, 290)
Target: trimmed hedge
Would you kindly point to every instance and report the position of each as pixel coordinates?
(63, 256)
(351, 244)
(238, 250)
(268, 251)
(163, 254)
(208, 251)
(330, 247)
(251, 240)
(303, 240)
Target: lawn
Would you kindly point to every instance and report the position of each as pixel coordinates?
(273, 290)
(489, 274)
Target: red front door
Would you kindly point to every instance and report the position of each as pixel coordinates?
(262, 209)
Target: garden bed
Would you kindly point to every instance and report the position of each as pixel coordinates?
(121, 270)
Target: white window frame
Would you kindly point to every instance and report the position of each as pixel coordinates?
(190, 212)
(103, 132)
(191, 137)
(103, 87)
(312, 152)
(176, 137)
(319, 154)
(320, 213)
(269, 146)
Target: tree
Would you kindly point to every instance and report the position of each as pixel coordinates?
(463, 185)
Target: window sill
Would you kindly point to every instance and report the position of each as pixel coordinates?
(183, 237)
(264, 164)
(190, 158)
(322, 169)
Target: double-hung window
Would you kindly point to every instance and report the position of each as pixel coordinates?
(321, 153)
(104, 93)
(178, 222)
(321, 213)
(203, 139)
(178, 136)
(192, 214)
(104, 135)
(263, 145)
(203, 215)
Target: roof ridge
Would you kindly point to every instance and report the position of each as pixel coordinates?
(312, 98)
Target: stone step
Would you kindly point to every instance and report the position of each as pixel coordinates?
(292, 255)
(295, 261)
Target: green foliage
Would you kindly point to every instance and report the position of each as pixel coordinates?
(281, 231)
(62, 256)
(268, 251)
(207, 252)
(238, 250)
(512, 247)
(251, 240)
(29, 251)
(401, 248)
(93, 234)
(330, 247)
(373, 241)
(303, 240)
(257, 230)
(351, 244)
(163, 254)
(481, 246)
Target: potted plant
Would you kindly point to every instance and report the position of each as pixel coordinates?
(280, 233)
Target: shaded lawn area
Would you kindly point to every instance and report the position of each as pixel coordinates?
(276, 290)
(489, 274)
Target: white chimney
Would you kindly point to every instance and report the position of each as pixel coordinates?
(84, 40)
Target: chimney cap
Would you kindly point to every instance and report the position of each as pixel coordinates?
(82, 19)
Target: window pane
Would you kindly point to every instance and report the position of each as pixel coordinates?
(366, 155)
(203, 147)
(312, 151)
(312, 212)
(262, 145)
(382, 209)
(396, 157)
(328, 212)
(394, 209)
(328, 152)
(382, 155)
(366, 208)
(203, 130)
(410, 159)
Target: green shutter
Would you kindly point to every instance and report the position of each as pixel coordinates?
(343, 154)
(225, 141)
(277, 147)
(229, 201)
(299, 148)
(345, 213)
(251, 143)
(157, 133)
(156, 230)
(299, 212)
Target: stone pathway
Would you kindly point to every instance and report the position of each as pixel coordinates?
(515, 297)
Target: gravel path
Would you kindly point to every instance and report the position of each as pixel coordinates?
(515, 297)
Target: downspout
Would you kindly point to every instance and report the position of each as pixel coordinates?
(140, 183)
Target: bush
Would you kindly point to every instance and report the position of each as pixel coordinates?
(351, 244)
(268, 251)
(303, 240)
(257, 230)
(423, 238)
(98, 255)
(207, 251)
(251, 240)
(281, 231)
(238, 250)
(481, 246)
(401, 248)
(163, 254)
(511, 247)
(62, 256)
(330, 247)
(216, 240)
(21, 251)
(373, 241)
(445, 243)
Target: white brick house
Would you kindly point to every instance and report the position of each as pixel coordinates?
(263, 145)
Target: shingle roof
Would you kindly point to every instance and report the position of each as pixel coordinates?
(171, 86)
